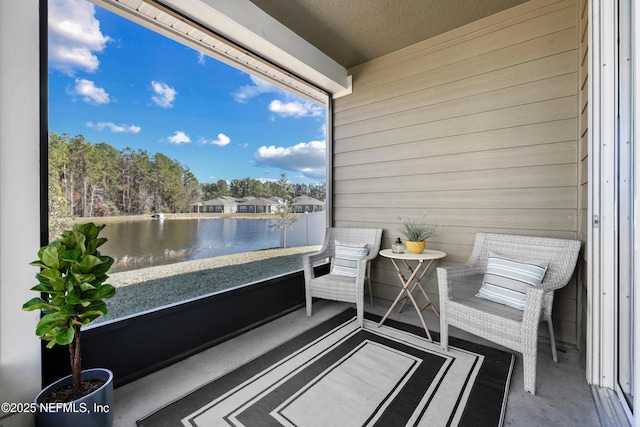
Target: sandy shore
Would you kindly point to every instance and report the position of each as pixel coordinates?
(141, 275)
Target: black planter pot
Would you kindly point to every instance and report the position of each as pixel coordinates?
(93, 410)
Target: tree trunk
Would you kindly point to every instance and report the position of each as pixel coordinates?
(71, 201)
(93, 191)
(84, 196)
(76, 361)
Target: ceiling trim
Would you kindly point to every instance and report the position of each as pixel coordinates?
(249, 26)
(246, 25)
(205, 38)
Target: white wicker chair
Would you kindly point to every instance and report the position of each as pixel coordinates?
(338, 287)
(509, 327)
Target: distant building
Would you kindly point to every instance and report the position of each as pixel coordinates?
(250, 204)
(222, 204)
(258, 205)
(307, 204)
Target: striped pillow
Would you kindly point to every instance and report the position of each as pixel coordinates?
(506, 280)
(345, 263)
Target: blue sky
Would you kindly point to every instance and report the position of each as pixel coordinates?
(114, 81)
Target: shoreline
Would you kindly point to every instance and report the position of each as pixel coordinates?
(170, 216)
(131, 277)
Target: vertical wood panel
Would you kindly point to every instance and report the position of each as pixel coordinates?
(493, 109)
(583, 154)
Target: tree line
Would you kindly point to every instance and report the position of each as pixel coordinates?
(96, 179)
(252, 187)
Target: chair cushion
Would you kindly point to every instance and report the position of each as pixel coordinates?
(345, 262)
(506, 280)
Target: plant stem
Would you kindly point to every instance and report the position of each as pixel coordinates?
(76, 360)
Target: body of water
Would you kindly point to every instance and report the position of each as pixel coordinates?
(138, 244)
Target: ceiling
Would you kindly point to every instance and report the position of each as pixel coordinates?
(352, 32)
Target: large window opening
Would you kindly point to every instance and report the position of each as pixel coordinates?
(207, 177)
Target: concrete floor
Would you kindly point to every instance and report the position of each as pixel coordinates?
(563, 396)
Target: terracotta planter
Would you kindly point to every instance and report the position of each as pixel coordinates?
(415, 247)
(92, 410)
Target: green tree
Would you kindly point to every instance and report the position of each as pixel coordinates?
(222, 188)
(190, 191)
(141, 170)
(59, 192)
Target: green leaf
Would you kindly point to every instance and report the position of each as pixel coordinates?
(88, 263)
(90, 316)
(104, 291)
(73, 255)
(38, 263)
(106, 263)
(59, 300)
(64, 337)
(84, 278)
(52, 278)
(37, 304)
(42, 288)
(99, 242)
(68, 310)
(73, 296)
(59, 285)
(98, 306)
(49, 257)
(53, 318)
(51, 321)
(86, 287)
(49, 274)
(79, 240)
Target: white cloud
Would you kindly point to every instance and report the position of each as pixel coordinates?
(306, 157)
(89, 92)
(256, 88)
(221, 141)
(201, 58)
(179, 137)
(114, 127)
(164, 94)
(295, 109)
(74, 36)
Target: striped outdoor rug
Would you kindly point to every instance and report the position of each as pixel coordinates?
(337, 374)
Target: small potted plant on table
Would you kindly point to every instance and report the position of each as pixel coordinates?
(71, 281)
(416, 233)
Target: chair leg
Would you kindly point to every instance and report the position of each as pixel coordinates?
(368, 279)
(444, 335)
(552, 337)
(360, 312)
(308, 303)
(529, 368)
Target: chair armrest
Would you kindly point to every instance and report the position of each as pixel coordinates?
(308, 260)
(316, 256)
(531, 315)
(447, 274)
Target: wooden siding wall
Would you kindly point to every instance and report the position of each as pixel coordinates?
(478, 128)
(583, 120)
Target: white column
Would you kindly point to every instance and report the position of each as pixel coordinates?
(19, 202)
(602, 253)
(635, 138)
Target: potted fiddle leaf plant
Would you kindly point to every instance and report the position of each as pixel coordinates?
(416, 233)
(71, 284)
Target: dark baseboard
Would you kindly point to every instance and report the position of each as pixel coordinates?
(139, 345)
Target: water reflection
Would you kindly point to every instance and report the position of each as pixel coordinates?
(138, 244)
